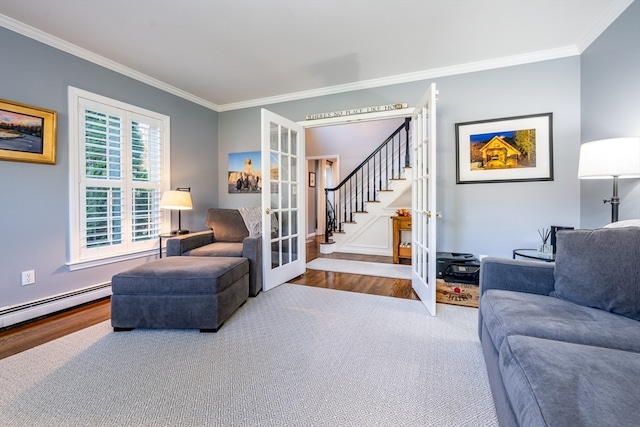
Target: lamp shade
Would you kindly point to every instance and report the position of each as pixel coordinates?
(177, 200)
(607, 158)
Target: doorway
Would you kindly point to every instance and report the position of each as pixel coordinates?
(332, 152)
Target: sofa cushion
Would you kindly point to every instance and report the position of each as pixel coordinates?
(553, 383)
(180, 276)
(227, 249)
(600, 268)
(227, 225)
(517, 313)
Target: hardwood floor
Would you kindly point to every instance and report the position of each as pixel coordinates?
(398, 288)
(15, 339)
(22, 337)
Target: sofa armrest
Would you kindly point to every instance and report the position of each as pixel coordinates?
(178, 245)
(532, 277)
(252, 250)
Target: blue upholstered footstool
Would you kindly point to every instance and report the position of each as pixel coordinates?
(179, 292)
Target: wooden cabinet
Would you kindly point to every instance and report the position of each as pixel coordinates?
(401, 238)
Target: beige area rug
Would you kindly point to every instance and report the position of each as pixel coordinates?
(293, 356)
(446, 293)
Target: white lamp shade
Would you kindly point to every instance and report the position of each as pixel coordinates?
(176, 199)
(607, 158)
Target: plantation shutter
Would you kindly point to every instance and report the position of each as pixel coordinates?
(103, 178)
(122, 180)
(146, 178)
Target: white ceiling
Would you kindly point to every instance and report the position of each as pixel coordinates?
(228, 54)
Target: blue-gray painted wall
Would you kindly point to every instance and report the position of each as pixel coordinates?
(610, 101)
(490, 219)
(34, 198)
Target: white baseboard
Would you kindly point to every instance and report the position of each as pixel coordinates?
(34, 309)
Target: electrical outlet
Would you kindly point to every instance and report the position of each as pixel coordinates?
(28, 277)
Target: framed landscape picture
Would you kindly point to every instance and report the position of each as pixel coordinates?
(27, 133)
(505, 150)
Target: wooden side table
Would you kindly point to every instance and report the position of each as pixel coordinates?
(401, 224)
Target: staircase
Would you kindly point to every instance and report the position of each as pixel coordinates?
(358, 209)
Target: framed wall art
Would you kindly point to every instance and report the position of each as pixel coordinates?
(312, 179)
(244, 174)
(27, 133)
(505, 150)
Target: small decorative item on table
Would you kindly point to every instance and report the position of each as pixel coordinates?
(545, 250)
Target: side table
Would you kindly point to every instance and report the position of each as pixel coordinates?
(532, 254)
(164, 236)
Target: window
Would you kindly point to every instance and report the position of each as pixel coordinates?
(119, 163)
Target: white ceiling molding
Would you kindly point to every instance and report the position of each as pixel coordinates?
(48, 39)
(612, 14)
(616, 8)
(410, 77)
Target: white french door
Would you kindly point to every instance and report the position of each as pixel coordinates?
(423, 210)
(283, 200)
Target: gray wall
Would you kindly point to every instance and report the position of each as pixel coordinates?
(611, 108)
(487, 219)
(34, 198)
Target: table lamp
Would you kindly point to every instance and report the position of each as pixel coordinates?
(610, 158)
(180, 200)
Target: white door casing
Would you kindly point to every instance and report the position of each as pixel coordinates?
(283, 200)
(424, 214)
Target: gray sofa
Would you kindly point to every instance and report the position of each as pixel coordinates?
(561, 340)
(227, 236)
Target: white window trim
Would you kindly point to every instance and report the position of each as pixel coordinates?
(75, 260)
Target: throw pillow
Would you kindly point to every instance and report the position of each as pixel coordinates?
(600, 268)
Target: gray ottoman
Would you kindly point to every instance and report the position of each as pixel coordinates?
(179, 292)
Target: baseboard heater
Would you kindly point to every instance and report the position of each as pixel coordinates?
(34, 309)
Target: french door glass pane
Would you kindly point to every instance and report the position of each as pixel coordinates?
(273, 132)
(294, 248)
(284, 140)
(275, 254)
(294, 143)
(286, 247)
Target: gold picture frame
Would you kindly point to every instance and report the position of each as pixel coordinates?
(27, 133)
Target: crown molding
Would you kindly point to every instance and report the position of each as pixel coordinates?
(48, 39)
(615, 10)
(409, 77)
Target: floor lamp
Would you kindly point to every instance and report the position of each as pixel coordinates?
(610, 158)
(180, 200)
